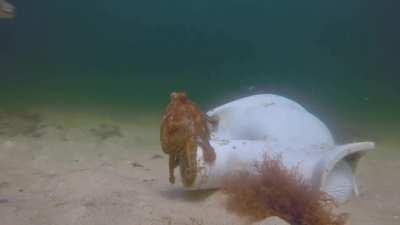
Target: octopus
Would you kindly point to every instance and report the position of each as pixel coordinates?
(184, 127)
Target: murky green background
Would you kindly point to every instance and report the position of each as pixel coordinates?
(340, 59)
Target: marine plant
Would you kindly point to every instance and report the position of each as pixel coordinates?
(274, 190)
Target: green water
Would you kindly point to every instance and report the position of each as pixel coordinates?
(339, 59)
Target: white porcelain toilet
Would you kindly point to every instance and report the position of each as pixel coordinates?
(269, 124)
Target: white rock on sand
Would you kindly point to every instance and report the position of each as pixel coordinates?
(6, 6)
(273, 220)
(7, 10)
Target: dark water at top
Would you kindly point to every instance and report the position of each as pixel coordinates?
(335, 57)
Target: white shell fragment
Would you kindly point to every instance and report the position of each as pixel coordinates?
(273, 220)
(257, 125)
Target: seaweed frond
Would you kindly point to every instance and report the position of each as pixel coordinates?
(274, 190)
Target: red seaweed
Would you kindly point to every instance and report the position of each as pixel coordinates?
(274, 190)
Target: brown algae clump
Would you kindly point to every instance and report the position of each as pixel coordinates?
(274, 190)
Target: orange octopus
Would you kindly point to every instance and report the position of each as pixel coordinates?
(183, 128)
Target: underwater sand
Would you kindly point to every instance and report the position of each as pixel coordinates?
(70, 168)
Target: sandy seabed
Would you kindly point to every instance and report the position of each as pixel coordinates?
(77, 169)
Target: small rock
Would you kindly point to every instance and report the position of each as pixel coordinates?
(149, 180)
(362, 195)
(59, 127)
(89, 204)
(136, 164)
(4, 185)
(64, 138)
(59, 204)
(37, 134)
(157, 156)
(4, 200)
(105, 131)
(273, 220)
